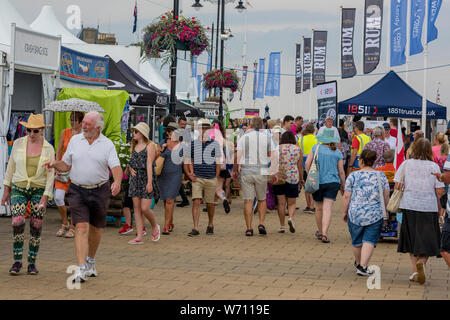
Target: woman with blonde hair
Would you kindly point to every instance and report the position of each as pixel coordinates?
(440, 149)
(26, 180)
(143, 186)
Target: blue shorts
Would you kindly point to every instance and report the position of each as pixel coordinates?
(369, 234)
(326, 190)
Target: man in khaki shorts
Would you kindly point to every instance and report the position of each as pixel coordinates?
(202, 166)
(254, 153)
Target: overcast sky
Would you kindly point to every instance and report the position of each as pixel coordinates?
(272, 26)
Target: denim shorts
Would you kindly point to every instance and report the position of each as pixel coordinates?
(369, 234)
(326, 190)
(286, 189)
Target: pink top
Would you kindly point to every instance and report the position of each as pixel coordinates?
(440, 160)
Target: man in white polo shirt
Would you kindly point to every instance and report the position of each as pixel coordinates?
(89, 156)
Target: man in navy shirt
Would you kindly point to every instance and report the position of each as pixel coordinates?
(202, 166)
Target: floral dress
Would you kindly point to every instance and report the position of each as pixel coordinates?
(290, 154)
(138, 183)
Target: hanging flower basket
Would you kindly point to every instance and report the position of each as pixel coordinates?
(217, 79)
(213, 99)
(167, 33)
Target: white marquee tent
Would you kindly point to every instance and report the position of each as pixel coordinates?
(8, 15)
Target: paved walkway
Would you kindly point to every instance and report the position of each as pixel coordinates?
(226, 265)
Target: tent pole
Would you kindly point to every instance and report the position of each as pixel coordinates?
(408, 27)
(425, 82)
(153, 124)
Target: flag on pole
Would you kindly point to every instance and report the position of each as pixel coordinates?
(400, 148)
(433, 10)
(255, 81)
(417, 20)
(135, 17)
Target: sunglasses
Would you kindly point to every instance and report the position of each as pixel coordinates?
(35, 130)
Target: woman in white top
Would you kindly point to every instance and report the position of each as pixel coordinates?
(420, 233)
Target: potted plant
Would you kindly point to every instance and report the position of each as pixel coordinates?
(217, 79)
(168, 33)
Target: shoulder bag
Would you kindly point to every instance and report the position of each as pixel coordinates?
(394, 202)
(159, 165)
(313, 178)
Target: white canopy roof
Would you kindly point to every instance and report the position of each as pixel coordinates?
(47, 23)
(150, 73)
(8, 15)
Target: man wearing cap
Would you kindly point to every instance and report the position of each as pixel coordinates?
(202, 166)
(392, 141)
(89, 156)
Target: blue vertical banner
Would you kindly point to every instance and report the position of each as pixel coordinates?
(194, 67)
(208, 68)
(417, 20)
(260, 89)
(399, 15)
(135, 17)
(273, 75)
(433, 10)
(199, 86)
(244, 79)
(255, 78)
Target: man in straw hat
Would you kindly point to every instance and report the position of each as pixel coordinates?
(89, 156)
(202, 166)
(26, 181)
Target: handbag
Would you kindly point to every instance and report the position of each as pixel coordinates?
(313, 179)
(397, 195)
(159, 165)
(63, 177)
(281, 179)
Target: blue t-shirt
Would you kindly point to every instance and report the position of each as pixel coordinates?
(365, 203)
(203, 157)
(327, 161)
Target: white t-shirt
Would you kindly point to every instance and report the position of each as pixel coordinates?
(420, 185)
(90, 163)
(255, 146)
(336, 132)
(392, 141)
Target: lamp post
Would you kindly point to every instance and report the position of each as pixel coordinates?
(220, 9)
(173, 68)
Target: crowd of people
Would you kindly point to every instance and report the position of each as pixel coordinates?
(267, 159)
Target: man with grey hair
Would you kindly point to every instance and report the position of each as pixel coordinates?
(255, 150)
(379, 146)
(89, 157)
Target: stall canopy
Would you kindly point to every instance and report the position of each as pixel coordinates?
(122, 77)
(391, 97)
(184, 108)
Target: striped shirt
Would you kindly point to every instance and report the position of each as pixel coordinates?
(204, 156)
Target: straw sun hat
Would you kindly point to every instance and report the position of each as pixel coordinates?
(35, 121)
(143, 128)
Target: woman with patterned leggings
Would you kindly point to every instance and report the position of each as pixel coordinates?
(28, 182)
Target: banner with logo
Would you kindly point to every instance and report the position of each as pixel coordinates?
(417, 19)
(319, 57)
(307, 66)
(348, 67)
(208, 68)
(194, 67)
(399, 16)
(273, 75)
(298, 69)
(199, 86)
(433, 10)
(244, 79)
(373, 22)
(260, 89)
(255, 78)
(84, 68)
(327, 102)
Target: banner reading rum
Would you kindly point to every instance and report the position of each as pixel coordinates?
(319, 56)
(307, 66)
(348, 68)
(298, 70)
(373, 21)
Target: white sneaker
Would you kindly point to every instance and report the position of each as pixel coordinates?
(90, 270)
(80, 275)
(291, 225)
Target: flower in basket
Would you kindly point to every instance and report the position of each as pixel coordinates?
(217, 79)
(166, 34)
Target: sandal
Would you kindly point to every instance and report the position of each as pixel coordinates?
(135, 241)
(62, 231)
(249, 232)
(70, 234)
(324, 238)
(171, 226)
(262, 229)
(318, 235)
